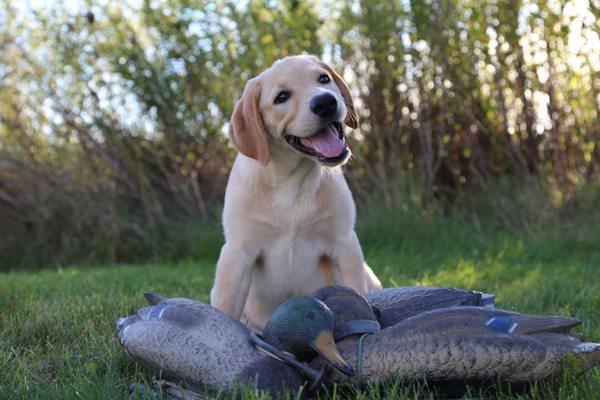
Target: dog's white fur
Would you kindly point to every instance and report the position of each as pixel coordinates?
(288, 219)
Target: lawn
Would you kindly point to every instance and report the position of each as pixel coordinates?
(57, 334)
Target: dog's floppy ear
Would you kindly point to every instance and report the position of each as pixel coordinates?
(351, 118)
(246, 129)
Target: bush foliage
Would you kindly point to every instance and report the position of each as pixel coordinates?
(113, 144)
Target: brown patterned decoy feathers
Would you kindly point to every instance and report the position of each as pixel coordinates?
(397, 304)
(208, 352)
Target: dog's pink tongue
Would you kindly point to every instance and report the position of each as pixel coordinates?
(328, 143)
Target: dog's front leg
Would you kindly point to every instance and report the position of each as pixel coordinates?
(232, 281)
(350, 268)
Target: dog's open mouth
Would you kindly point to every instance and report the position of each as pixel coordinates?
(328, 145)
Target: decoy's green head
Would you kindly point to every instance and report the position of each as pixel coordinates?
(302, 326)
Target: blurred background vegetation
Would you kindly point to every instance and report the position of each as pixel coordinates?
(113, 115)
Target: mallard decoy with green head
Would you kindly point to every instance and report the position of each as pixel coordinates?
(465, 343)
(303, 320)
(192, 343)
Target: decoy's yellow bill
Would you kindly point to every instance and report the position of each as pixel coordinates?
(325, 346)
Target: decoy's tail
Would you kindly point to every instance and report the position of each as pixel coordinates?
(153, 298)
(527, 324)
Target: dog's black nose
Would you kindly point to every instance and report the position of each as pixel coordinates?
(324, 105)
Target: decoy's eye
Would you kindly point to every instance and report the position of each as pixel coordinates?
(324, 78)
(310, 315)
(282, 97)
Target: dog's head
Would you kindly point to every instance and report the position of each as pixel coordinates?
(299, 105)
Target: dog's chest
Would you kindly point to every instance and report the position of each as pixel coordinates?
(293, 253)
(298, 235)
(310, 220)
(292, 265)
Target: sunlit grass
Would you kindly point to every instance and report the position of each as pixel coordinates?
(58, 340)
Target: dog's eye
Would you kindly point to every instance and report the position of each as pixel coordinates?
(324, 78)
(282, 97)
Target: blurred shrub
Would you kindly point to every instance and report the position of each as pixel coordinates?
(113, 115)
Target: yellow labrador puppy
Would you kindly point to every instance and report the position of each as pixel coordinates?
(289, 214)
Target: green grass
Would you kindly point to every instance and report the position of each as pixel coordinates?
(57, 334)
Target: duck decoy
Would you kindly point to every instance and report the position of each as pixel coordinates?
(192, 343)
(396, 304)
(470, 344)
(298, 319)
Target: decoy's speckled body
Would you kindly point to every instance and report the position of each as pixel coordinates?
(457, 343)
(396, 304)
(201, 347)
